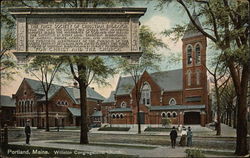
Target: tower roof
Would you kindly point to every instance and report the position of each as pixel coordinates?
(191, 31)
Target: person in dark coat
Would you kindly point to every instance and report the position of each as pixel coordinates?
(189, 136)
(173, 136)
(27, 132)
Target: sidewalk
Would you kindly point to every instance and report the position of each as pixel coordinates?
(158, 151)
(198, 131)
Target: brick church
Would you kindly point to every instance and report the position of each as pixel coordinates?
(64, 105)
(181, 95)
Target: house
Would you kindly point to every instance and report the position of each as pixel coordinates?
(180, 95)
(8, 107)
(64, 104)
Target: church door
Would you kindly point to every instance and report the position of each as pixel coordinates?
(191, 118)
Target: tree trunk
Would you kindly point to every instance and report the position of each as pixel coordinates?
(138, 111)
(241, 142)
(47, 112)
(235, 118)
(227, 118)
(230, 118)
(218, 129)
(83, 105)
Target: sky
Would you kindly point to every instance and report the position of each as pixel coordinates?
(157, 20)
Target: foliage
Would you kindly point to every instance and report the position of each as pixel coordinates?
(165, 122)
(45, 68)
(194, 153)
(226, 24)
(148, 61)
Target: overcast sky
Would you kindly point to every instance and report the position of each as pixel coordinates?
(157, 20)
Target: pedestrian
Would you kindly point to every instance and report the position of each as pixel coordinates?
(27, 131)
(189, 136)
(173, 136)
(183, 137)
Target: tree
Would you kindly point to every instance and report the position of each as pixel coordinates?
(45, 68)
(226, 24)
(85, 69)
(227, 101)
(221, 76)
(148, 61)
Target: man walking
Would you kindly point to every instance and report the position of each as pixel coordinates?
(189, 137)
(27, 132)
(173, 136)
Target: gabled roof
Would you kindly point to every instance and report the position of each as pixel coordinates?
(74, 93)
(190, 32)
(125, 85)
(97, 114)
(91, 93)
(36, 86)
(121, 110)
(111, 98)
(7, 101)
(177, 107)
(169, 80)
(166, 80)
(75, 111)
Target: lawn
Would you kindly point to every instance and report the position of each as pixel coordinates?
(157, 129)
(115, 145)
(114, 129)
(34, 151)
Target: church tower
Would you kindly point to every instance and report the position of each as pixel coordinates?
(195, 90)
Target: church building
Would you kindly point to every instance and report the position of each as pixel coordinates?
(181, 95)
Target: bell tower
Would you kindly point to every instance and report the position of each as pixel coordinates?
(194, 66)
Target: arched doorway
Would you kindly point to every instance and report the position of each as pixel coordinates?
(191, 118)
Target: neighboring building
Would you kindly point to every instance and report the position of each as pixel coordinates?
(8, 108)
(181, 95)
(107, 105)
(64, 107)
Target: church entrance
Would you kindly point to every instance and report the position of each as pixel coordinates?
(191, 118)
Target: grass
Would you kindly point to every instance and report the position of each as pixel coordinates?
(114, 129)
(111, 145)
(191, 153)
(158, 129)
(34, 151)
(218, 153)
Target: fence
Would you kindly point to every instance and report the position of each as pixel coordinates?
(4, 136)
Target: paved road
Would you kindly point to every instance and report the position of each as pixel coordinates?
(158, 151)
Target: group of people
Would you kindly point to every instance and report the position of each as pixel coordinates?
(186, 137)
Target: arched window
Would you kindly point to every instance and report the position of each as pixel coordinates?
(198, 77)
(189, 55)
(169, 114)
(146, 94)
(121, 116)
(172, 101)
(174, 114)
(163, 114)
(113, 116)
(123, 104)
(189, 75)
(197, 54)
(117, 116)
